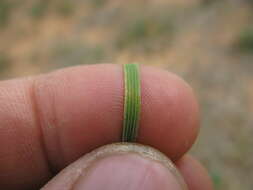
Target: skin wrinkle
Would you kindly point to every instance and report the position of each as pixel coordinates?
(38, 124)
(25, 138)
(52, 125)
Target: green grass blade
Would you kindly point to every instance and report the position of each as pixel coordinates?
(132, 102)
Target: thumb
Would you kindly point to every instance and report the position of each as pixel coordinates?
(119, 167)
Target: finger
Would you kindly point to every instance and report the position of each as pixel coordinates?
(50, 121)
(194, 173)
(120, 166)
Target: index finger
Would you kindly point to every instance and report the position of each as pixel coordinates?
(50, 121)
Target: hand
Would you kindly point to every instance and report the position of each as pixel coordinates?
(49, 121)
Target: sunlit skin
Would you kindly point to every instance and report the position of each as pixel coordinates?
(49, 121)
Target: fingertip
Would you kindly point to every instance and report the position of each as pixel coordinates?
(170, 114)
(195, 175)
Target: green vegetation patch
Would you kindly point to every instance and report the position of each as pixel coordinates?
(5, 12)
(62, 7)
(97, 3)
(65, 7)
(245, 40)
(39, 9)
(64, 54)
(4, 62)
(145, 32)
(216, 178)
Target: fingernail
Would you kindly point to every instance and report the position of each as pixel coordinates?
(129, 167)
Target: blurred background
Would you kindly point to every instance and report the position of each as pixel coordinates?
(207, 42)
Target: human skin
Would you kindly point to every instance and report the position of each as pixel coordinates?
(49, 121)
